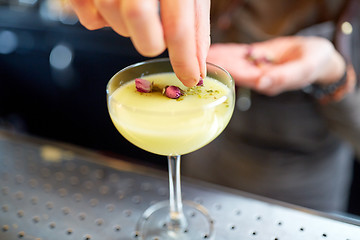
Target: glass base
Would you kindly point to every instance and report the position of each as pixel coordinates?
(155, 223)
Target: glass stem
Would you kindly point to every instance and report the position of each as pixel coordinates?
(177, 218)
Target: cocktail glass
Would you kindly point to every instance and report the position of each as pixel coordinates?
(172, 133)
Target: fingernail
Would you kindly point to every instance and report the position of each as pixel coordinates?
(203, 72)
(264, 82)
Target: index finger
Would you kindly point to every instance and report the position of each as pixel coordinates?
(178, 17)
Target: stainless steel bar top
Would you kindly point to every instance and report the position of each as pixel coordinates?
(56, 191)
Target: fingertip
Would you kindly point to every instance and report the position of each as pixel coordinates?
(150, 50)
(187, 74)
(93, 25)
(88, 15)
(190, 82)
(186, 68)
(186, 79)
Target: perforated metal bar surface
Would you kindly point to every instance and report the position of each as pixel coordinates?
(57, 192)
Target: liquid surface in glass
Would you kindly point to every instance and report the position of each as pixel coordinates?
(166, 126)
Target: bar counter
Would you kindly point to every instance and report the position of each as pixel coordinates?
(51, 190)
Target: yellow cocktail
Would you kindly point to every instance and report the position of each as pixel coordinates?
(175, 126)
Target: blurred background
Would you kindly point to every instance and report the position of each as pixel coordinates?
(53, 75)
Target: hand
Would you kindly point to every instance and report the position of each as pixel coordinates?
(290, 63)
(183, 26)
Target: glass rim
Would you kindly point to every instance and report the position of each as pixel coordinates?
(158, 60)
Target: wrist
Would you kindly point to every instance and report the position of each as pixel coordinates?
(335, 91)
(333, 71)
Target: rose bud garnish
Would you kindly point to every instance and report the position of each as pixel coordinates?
(143, 85)
(249, 54)
(201, 82)
(257, 60)
(173, 92)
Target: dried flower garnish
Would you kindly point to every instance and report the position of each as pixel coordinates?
(257, 60)
(173, 92)
(143, 85)
(201, 82)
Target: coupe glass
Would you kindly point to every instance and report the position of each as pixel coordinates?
(176, 131)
